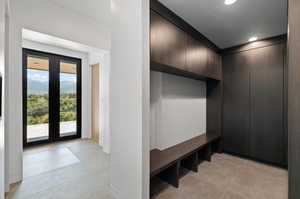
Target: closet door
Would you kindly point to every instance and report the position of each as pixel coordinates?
(236, 107)
(266, 130)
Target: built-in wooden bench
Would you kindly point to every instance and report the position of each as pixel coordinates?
(166, 164)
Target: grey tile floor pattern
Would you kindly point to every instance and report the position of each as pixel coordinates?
(228, 177)
(67, 170)
(49, 160)
(85, 175)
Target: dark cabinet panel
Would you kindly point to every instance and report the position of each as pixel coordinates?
(285, 104)
(236, 81)
(293, 61)
(154, 22)
(266, 136)
(214, 107)
(253, 106)
(196, 57)
(171, 48)
(168, 43)
(214, 64)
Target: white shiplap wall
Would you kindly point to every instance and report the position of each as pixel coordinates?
(177, 109)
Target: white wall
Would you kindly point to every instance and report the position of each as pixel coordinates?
(155, 107)
(178, 109)
(129, 104)
(5, 94)
(46, 17)
(105, 102)
(2, 65)
(41, 16)
(85, 78)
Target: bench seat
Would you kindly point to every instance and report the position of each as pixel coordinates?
(183, 154)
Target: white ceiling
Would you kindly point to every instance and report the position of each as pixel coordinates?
(232, 25)
(98, 10)
(226, 26)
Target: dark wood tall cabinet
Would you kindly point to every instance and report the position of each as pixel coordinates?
(266, 89)
(236, 100)
(253, 106)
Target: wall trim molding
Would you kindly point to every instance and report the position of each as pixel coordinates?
(255, 45)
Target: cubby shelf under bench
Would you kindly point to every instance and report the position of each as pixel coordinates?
(166, 164)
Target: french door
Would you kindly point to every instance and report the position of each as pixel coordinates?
(51, 97)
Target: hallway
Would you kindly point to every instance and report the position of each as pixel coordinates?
(73, 169)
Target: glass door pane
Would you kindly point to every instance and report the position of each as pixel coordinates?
(68, 98)
(51, 97)
(37, 98)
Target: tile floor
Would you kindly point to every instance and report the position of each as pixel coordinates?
(228, 177)
(67, 170)
(81, 171)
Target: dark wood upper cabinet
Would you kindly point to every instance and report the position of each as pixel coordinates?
(175, 51)
(154, 22)
(196, 57)
(214, 65)
(168, 43)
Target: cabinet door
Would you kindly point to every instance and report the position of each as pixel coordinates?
(214, 69)
(168, 42)
(236, 104)
(196, 57)
(154, 23)
(267, 130)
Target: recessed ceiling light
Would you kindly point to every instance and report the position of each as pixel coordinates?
(252, 39)
(229, 2)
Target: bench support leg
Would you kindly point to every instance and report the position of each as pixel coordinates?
(208, 153)
(217, 146)
(191, 162)
(171, 175)
(220, 146)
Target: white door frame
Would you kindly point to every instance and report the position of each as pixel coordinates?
(4, 14)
